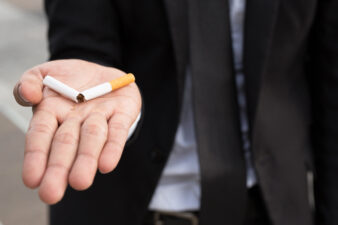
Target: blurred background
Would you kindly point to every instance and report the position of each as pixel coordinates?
(22, 45)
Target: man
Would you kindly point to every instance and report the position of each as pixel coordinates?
(290, 65)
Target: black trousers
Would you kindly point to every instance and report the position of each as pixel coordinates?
(256, 212)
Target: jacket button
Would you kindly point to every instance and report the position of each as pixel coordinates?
(157, 156)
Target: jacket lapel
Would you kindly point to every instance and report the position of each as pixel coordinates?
(259, 25)
(178, 24)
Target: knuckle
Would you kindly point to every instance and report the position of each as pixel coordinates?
(35, 151)
(75, 115)
(88, 156)
(118, 126)
(40, 128)
(67, 138)
(115, 145)
(43, 109)
(93, 129)
(125, 115)
(59, 166)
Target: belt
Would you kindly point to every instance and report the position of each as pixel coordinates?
(256, 213)
(172, 218)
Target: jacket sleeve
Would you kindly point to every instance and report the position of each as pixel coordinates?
(84, 29)
(324, 61)
(88, 30)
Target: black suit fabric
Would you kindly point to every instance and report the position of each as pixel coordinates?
(290, 64)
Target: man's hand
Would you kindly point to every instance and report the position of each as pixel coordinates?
(67, 142)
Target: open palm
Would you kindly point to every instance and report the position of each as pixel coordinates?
(67, 142)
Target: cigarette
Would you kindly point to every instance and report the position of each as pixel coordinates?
(61, 88)
(105, 88)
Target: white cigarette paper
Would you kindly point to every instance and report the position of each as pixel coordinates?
(61, 88)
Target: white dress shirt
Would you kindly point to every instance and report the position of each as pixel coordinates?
(179, 186)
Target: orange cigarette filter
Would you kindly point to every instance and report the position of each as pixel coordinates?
(122, 81)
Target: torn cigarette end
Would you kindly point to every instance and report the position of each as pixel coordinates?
(107, 87)
(61, 88)
(80, 98)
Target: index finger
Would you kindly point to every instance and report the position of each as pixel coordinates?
(38, 140)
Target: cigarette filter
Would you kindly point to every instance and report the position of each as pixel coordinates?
(105, 88)
(61, 88)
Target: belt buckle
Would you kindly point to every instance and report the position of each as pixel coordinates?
(191, 217)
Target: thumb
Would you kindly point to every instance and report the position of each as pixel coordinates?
(28, 91)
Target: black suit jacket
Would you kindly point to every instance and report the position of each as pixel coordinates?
(291, 69)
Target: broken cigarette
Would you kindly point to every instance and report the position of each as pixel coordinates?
(61, 88)
(105, 88)
(90, 93)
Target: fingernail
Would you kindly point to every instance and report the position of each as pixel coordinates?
(19, 98)
(20, 94)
